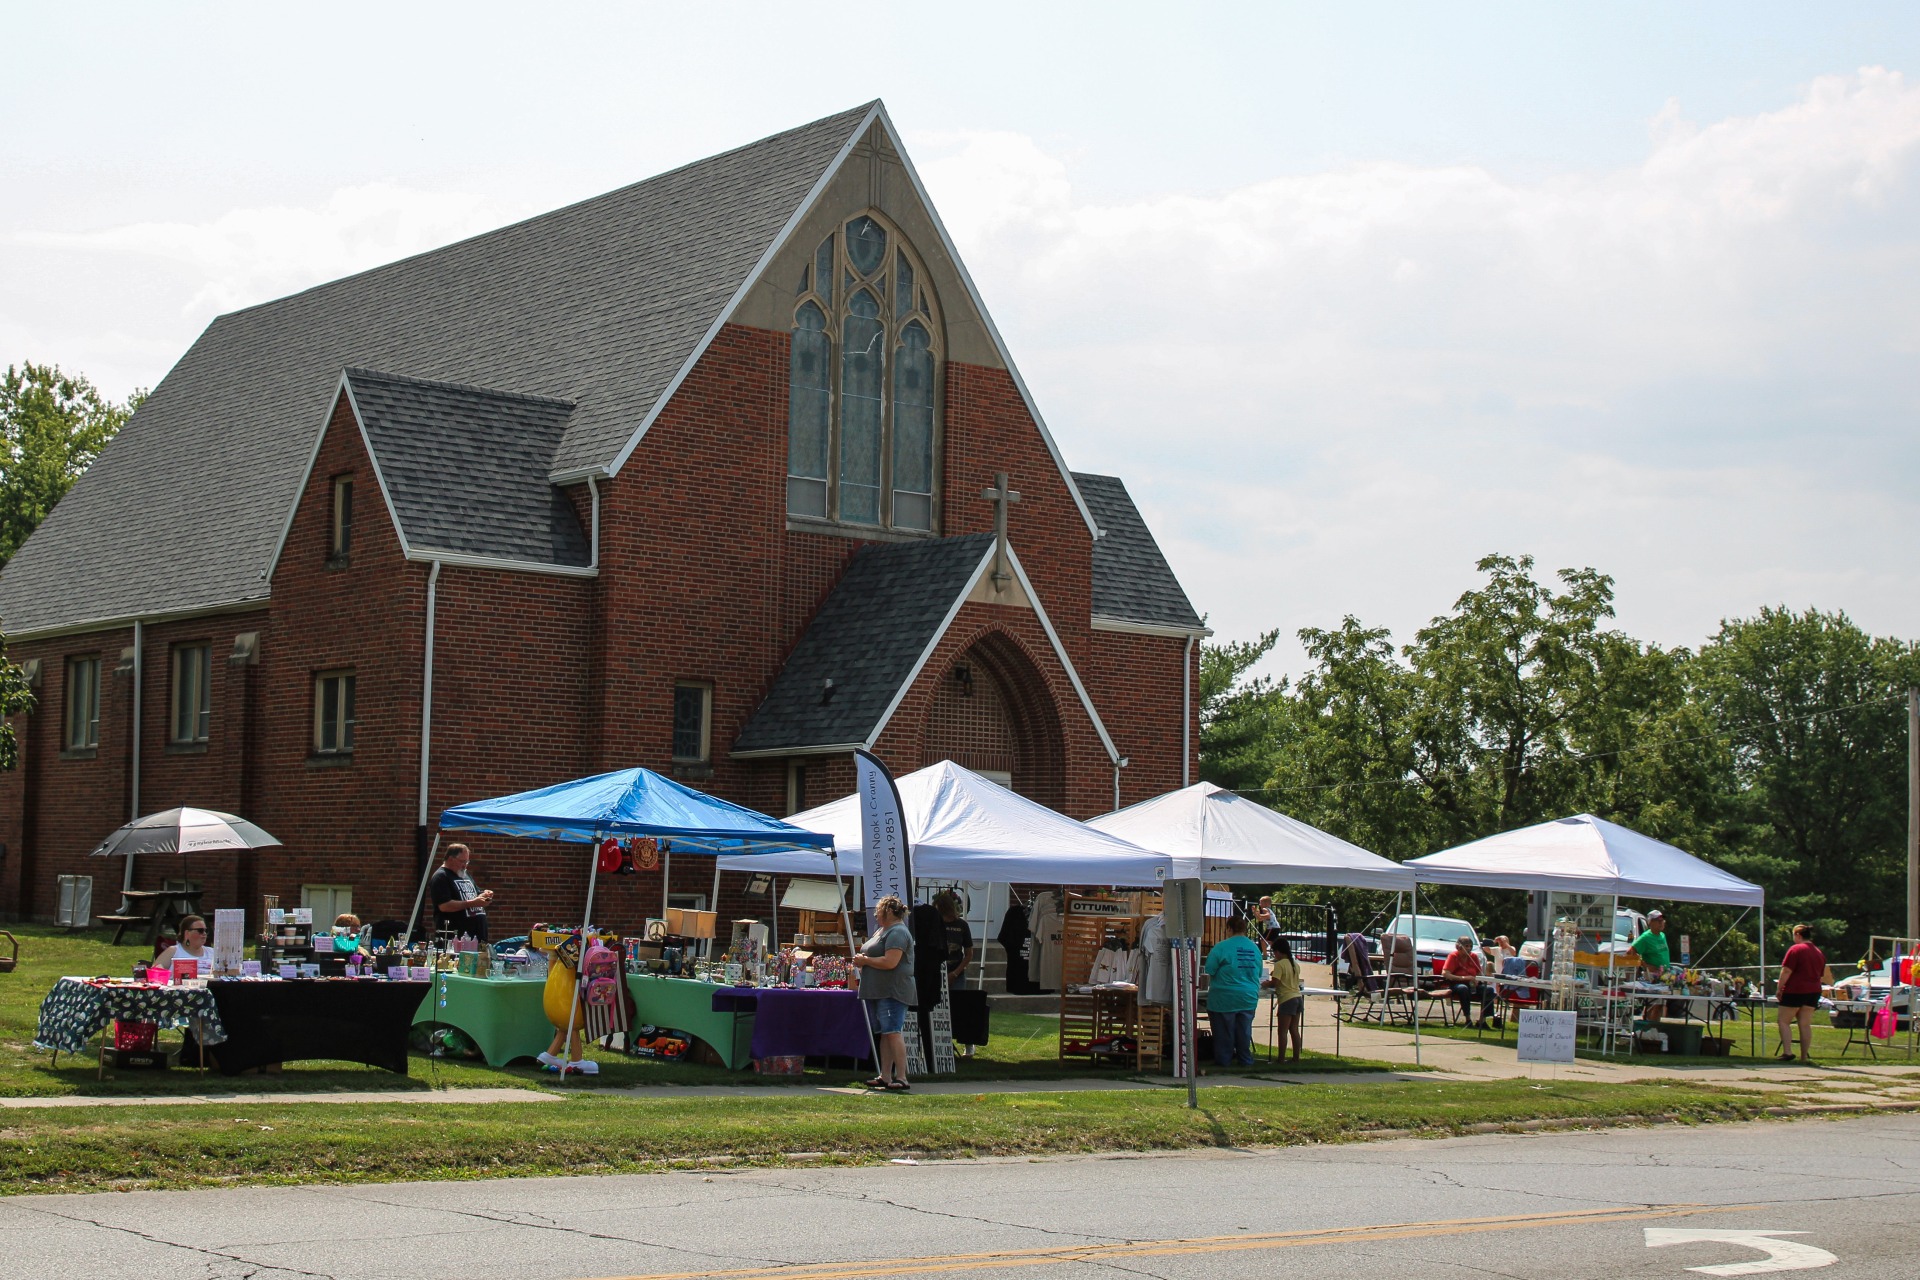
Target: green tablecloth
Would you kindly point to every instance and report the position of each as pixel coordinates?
(687, 1005)
(503, 1016)
(506, 1019)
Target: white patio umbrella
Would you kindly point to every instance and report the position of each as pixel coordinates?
(184, 830)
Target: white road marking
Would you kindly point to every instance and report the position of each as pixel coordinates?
(1782, 1255)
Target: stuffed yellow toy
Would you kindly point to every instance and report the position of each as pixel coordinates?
(561, 1001)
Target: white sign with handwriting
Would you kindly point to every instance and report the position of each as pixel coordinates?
(1546, 1035)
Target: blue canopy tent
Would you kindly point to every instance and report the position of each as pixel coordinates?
(622, 804)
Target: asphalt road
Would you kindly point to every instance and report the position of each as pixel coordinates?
(1567, 1206)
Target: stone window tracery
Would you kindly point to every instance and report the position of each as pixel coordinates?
(863, 428)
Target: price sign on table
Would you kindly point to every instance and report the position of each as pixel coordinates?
(1546, 1035)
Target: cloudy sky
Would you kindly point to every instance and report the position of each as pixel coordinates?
(1349, 298)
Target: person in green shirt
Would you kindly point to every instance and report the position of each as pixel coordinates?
(1234, 969)
(1651, 947)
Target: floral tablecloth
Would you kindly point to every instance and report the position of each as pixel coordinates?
(77, 1009)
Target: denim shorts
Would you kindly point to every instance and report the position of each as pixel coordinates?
(887, 1016)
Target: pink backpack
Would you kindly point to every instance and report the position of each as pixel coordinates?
(600, 975)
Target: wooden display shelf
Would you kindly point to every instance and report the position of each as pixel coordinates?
(1088, 1017)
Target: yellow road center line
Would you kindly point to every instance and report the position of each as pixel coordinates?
(1238, 1242)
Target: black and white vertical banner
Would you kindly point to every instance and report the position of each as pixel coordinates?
(883, 834)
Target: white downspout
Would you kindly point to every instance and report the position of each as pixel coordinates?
(1186, 715)
(133, 786)
(426, 691)
(593, 533)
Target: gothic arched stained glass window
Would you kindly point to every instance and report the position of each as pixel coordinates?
(863, 384)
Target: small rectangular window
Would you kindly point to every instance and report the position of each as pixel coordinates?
(327, 901)
(192, 692)
(83, 703)
(692, 709)
(333, 720)
(796, 786)
(340, 535)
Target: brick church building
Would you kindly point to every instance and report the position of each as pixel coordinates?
(713, 474)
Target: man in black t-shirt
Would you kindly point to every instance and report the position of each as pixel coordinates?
(459, 906)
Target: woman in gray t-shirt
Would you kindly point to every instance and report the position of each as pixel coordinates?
(886, 984)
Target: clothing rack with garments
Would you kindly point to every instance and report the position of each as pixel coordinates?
(1102, 967)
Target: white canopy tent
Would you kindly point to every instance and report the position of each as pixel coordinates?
(966, 827)
(1585, 854)
(1216, 835)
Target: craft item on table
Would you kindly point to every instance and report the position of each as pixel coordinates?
(303, 915)
(830, 971)
(185, 968)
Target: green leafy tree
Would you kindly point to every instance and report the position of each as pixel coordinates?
(52, 426)
(1242, 717)
(1814, 710)
(1519, 705)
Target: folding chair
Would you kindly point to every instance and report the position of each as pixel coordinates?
(1403, 983)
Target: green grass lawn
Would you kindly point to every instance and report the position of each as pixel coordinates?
(1023, 1047)
(259, 1141)
(1828, 1042)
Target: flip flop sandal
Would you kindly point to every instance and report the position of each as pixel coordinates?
(899, 1086)
(878, 1082)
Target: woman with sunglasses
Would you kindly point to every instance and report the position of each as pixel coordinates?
(192, 944)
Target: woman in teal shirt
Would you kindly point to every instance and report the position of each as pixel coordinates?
(1234, 968)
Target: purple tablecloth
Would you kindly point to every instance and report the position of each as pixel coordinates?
(806, 1021)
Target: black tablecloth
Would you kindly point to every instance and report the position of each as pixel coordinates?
(302, 1018)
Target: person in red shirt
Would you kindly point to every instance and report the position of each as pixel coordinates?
(1802, 972)
(1463, 971)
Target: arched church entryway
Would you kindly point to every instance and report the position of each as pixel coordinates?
(992, 713)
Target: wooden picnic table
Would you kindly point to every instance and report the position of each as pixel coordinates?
(154, 908)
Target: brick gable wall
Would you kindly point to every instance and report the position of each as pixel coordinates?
(541, 677)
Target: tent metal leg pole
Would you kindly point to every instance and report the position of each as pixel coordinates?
(1613, 952)
(713, 904)
(420, 894)
(846, 922)
(1761, 985)
(586, 924)
(1416, 974)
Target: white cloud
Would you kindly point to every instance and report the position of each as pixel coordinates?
(122, 302)
(1334, 391)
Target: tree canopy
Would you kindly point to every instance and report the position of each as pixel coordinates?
(1777, 750)
(52, 426)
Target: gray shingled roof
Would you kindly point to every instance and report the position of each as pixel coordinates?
(600, 303)
(1132, 581)
(866, 638)
(467, 467)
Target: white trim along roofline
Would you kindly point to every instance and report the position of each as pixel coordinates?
(768, 753)
(877, 112)
(419, 555)
(1106, 622)
(933, 642)
(252, 604)
(733, 303)
(946, 623)
(993, 330)
(306, 474)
